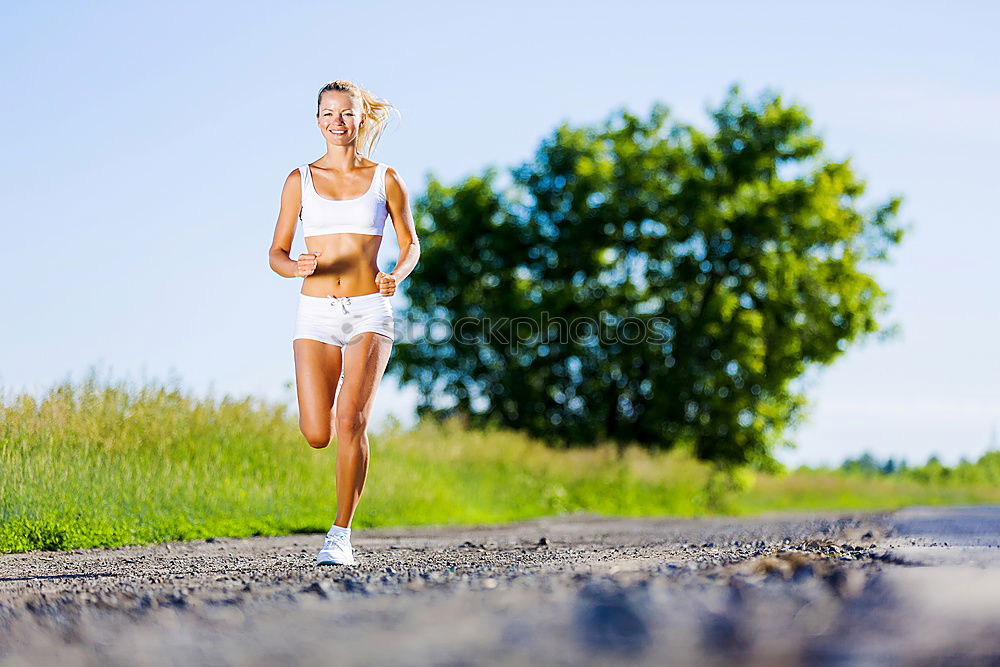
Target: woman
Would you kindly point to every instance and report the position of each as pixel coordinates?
(343, 329)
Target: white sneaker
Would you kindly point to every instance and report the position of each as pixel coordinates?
(336, 550)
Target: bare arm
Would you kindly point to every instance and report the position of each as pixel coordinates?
(284, 232)
(398, 202)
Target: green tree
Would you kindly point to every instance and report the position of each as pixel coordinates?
(741, 254)
(931, 472)
(866, 464)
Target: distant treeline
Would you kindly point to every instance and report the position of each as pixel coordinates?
(985, 470)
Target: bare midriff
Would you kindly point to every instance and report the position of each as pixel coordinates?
(346, 265)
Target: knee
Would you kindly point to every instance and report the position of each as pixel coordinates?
(317, 438)
(318, 443)
(352, 422)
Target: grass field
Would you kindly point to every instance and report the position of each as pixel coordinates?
(101, 464)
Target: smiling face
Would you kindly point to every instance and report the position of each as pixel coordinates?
(339, 118)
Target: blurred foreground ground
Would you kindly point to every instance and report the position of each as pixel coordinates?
(907, 587)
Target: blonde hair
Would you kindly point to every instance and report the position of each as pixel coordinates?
(375, 109)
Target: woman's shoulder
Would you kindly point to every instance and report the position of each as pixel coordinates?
(394, 185)
(294, 179)
(390, 171)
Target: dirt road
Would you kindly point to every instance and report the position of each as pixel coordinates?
(905, 587)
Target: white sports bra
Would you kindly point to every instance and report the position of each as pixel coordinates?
(363, 215)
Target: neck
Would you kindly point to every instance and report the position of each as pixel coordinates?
(341, 158)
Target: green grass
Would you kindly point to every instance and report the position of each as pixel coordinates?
(108, 464)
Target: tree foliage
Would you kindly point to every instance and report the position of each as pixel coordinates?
(742, 255)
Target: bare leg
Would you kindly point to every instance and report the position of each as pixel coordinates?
(365, 359)
(317, 371)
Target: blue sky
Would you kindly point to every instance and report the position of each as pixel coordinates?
(145, 145)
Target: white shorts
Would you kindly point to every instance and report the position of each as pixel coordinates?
(335, 320)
